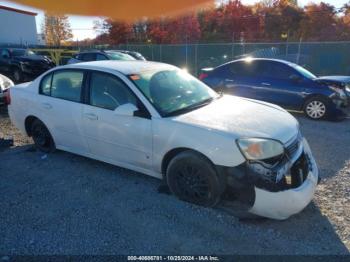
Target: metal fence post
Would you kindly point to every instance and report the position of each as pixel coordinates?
(160, 52)
(298, 55)
(195, 59)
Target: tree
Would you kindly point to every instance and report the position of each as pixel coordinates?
(185, 29)
(320, 23)
(56, 29)
(283, 18)
(117, 32)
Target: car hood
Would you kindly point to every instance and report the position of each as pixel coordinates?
(32, 58)
(339, 79)
(241, 117)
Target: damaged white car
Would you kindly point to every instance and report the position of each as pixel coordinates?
(157, 119)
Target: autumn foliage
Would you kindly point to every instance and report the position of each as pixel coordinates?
(269, 20)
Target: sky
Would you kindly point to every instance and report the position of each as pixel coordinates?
(82, 26)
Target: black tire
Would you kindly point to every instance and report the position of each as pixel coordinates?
(192, 178)
(42, 138)
(316, 107)
(17, 75)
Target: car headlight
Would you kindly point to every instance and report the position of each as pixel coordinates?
(338, 90)
(5, 84)
(347, 88)
(260, 148)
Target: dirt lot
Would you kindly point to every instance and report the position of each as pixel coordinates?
(66, 204)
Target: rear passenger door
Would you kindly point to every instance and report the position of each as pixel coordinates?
(60, 108)
(241, 79)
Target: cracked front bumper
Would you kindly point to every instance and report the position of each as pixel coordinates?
(282, 204)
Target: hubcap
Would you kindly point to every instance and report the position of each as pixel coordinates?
(192, 184)
(316, 109)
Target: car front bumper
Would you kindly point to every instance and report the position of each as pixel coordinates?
(282, 204)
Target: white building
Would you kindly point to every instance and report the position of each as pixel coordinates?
(41, 39)
(17, 26)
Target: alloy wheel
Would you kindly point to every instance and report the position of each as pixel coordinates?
(192, 184)
(316, 109)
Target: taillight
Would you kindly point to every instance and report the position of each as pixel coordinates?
(202, 76)
(7, 97)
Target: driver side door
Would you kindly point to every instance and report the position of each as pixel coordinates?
(120, 139)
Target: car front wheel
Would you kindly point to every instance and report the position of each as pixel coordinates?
(316, 108)
(42, 137)
(192, 178)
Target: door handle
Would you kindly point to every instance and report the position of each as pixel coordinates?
(91, 116)
(47, 106)
(265, 84)
(229, 80)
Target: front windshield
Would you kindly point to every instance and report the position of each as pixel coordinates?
(22, 52)
(306, 73)
(119, 56)
(173, 92)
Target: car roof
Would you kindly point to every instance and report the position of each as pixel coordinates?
(260, 59)
(124, 67)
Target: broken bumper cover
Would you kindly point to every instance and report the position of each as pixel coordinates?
(282, 204)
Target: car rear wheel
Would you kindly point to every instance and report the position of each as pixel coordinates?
(42, 138)
(192, 178)
(316, 108)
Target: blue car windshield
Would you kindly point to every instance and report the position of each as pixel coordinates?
(304, 72)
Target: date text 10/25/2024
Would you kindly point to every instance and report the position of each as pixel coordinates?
(173, 258)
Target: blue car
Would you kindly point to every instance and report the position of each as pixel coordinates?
(280, 82)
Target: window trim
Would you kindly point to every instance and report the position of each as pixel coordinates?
(143, 112)
(52, 73)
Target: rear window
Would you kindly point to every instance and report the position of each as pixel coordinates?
(88, 57)
(64, 84)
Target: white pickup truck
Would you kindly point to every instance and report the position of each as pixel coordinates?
(156, 119)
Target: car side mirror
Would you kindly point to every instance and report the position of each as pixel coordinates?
(127, 109)
(295, 78)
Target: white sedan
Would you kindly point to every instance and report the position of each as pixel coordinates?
(158, 120)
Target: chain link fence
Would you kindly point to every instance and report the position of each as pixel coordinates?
(321, 58)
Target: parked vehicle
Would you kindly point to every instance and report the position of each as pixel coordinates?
(5, 84)
(134, 54)
(23, 64)
(156, 119)
(280, 82)
(88, 56)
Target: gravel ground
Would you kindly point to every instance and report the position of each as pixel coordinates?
(66, 204)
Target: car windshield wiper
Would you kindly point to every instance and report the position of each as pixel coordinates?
(190, 107)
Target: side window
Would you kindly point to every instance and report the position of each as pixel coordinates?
(88, 57)
(67, 85)
(109, 92)
(101, 57)
(45, 85)
(276, 70)
(243, 68)
(5, 53)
